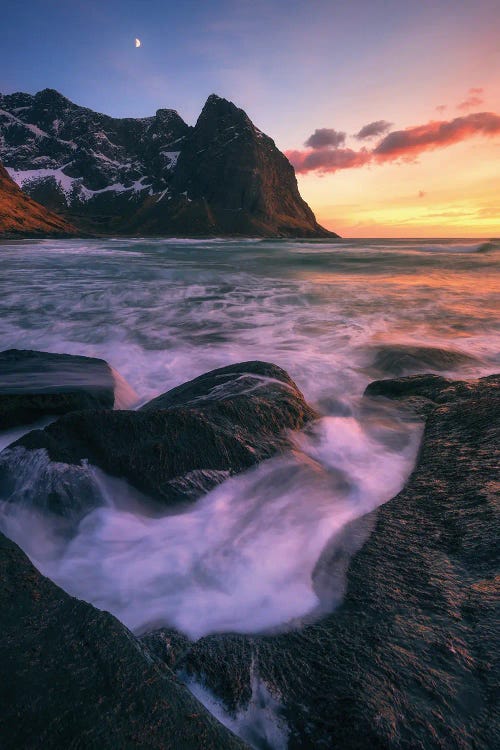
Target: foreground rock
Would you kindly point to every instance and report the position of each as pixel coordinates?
(153, 175)
(21, 216)
(176, 447)
(421, 393)
(73, 676)
(405, 359)
(36, 384)
(410, 659)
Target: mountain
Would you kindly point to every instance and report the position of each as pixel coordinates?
(21, 216)
(152, 175)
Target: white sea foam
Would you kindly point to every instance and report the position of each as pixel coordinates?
(459, 247)
(260, 724)
(242, 559)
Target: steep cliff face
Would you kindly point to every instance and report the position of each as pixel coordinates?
(153, 175)
(236, 177)
(21, 216)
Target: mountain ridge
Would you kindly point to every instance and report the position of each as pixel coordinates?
(153, 175)
(21, 216)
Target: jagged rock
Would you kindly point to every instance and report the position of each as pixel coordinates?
(152, 175)
(236, 180)
(425, 386)
(181, 444)
(244, 384)
(410, 658)
(405, 359)
(36, 384)
(21, 216)
(421, 393)
(73, 676)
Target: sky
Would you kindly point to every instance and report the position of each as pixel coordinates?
(388, 109)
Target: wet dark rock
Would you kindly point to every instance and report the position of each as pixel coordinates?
(29, 480)
(418, 393)
(425, 386)
(73, 676)
(410, 657)
(187, 441)
(36, 384)
(422, 392)
(238, 383)
(405, 359)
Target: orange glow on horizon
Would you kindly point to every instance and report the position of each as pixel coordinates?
(453, 192)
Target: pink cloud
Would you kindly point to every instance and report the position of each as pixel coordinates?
(327, 159)
(399, 144)
(474, 98)
(437, 134)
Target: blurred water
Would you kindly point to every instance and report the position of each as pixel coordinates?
(163, 311)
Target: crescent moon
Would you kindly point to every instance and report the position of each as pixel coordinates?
(137, 42)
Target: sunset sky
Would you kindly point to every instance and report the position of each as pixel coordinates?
(306, 71)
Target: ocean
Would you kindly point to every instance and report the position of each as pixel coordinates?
(334, 314)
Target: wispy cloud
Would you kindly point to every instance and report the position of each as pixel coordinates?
(327, 159)
(398, 145)
(378, 127)
(474, 98)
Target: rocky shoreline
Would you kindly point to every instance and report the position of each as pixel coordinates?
(410, 657)
(408, 660)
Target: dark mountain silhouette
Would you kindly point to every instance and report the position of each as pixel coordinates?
(152, 175)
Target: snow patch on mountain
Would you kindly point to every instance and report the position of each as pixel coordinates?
(171, 157)
(25, 177)
(72, 187)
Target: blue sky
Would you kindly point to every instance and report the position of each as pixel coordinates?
(268, 56)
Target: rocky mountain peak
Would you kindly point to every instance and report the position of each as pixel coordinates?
(214, 99)
(215, 103)
(168, 115)
(51, 97)
(154, 174)
(219, 115)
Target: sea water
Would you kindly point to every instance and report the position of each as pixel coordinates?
(244, 558)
